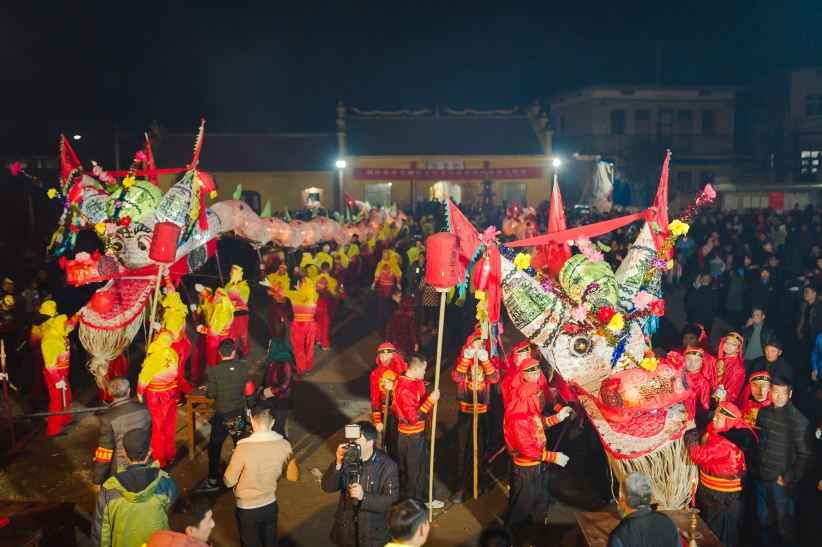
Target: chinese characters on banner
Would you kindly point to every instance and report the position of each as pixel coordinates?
(369, 173)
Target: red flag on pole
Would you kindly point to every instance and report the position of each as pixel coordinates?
(150, 163)
(550, 258)
(661, 204)
(68, 161)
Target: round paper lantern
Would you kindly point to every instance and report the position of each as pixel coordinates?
(482, 272)
(577, 275)
(102, 301)
(164, 242)
(443, 256)
(137, 202)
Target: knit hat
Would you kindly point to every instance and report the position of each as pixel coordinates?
(136, 443)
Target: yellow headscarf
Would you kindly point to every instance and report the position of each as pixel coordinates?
(49, 307)
(236, 274)
(174, 321)
(162, 342)
(223, 312)
(172, 302)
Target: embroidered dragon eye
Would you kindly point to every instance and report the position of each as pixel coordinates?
(580, 345)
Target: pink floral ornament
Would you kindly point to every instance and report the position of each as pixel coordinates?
(16, 168)
(642, 300)
(710, 193)
(490, 235)
(140, 156)
(579, 313)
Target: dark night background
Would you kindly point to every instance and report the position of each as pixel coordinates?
(85, 67)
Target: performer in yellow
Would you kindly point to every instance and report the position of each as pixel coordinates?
(202, 315)
(239, 293)
(157, 384)
(277, 305)
(220, 323)
(386, 276)
(353, 254)
(56, 359)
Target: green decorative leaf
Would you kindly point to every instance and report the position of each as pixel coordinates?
(266, 210)
(238, 192)
(603, 247)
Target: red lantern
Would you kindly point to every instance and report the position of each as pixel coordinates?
(164, 242)
(482, 272)
(102, 301)
(443, 257)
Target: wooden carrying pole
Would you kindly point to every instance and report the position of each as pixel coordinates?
(154, 305)
(476, 412)
(6, 392)
(442, 292)
(385, 416)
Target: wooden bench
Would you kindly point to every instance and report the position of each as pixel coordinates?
(593, 529)
(196, 402)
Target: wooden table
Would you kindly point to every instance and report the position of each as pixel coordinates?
(593, 528)
(36, 524)
(196, 401)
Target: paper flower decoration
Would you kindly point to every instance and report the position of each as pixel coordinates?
(710, 193)
(51, 193)
(579, 313)
(677, 227)
(522, 261)
(649, 363)
(605, 314)
(111, 228)
(212, 194)
(128, 181)
(82, 257)
(100, 227)
(658, 308)
(570, 328)
(616, 323)
(140, 156)
(125, 221)
(16, 168)
(490, 235)
(642, 299)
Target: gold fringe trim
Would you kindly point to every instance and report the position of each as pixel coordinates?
(670, 469)
(105, 345)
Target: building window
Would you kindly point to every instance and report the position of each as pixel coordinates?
(665, 126)
(810, 161)
(512, 191)
(684, 120)
(642, 121)
(253, 200)
(706, 177)
(378, 194)
(617, 121)
(813, 105)
(709, 122)
(684, 181)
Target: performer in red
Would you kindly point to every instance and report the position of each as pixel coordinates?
(116, 367)
(722, 469)
(174, 323)
(520, 352)
(339, 270)
(157, 384)
(239, 292)
(403, 329)
(56, 360)
(525, 439)
(303, 329)
(326, 287)
(390, 366)
(728, 376)
(472, 352)
(698, 402)
(202, 314)
(693, 336)
(386, 276)
(353, 253)
(411, 406)
(48, 309)
(220, 323)
(755, 395)
(277, 305)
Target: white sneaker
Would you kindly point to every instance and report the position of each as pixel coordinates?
(436, 504)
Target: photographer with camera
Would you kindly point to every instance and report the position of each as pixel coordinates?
(229, 384)
(367, 480)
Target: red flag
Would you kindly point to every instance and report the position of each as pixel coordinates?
(198, 144)
(150, 163)
(557, 253)
(661, 204)
(68, 161)
(350, 201)
(469, 239)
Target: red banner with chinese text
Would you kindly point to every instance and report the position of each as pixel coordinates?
(373, 173)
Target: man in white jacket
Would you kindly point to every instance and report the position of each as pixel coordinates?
(256, 466)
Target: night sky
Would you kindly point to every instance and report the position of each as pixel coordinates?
(84, 67)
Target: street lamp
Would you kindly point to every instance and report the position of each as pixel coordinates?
(77, 137)
(557, 162)
(341, 167)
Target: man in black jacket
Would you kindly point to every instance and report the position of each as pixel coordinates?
(784, 456)
(232, 390)
(702, 304)
(641, 526)
(772, 362)
(122, 416)
(755, 334)
(374, 492)
(391, 305)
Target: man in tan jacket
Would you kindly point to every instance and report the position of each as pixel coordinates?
(257, 464)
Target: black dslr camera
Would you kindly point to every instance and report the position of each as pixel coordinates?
(353, 452)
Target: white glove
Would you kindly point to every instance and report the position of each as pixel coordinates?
(193, 307)
(202, 330)
(379, 427)
(140, 397)
(468, 353)
(262, 266)
(60, 385)
(563, 413)
(562, 459)
(157, 326)
(389, 385)
(483, 355)
(199, 288)
(720, 392)
(819, 433)
(265, 283)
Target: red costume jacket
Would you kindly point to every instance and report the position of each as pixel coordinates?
(411, 404)
(525, 439)
(751, 409)
(729, 371)
(698, 402)
(463, 374)
(378, 377)
(721, 463)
